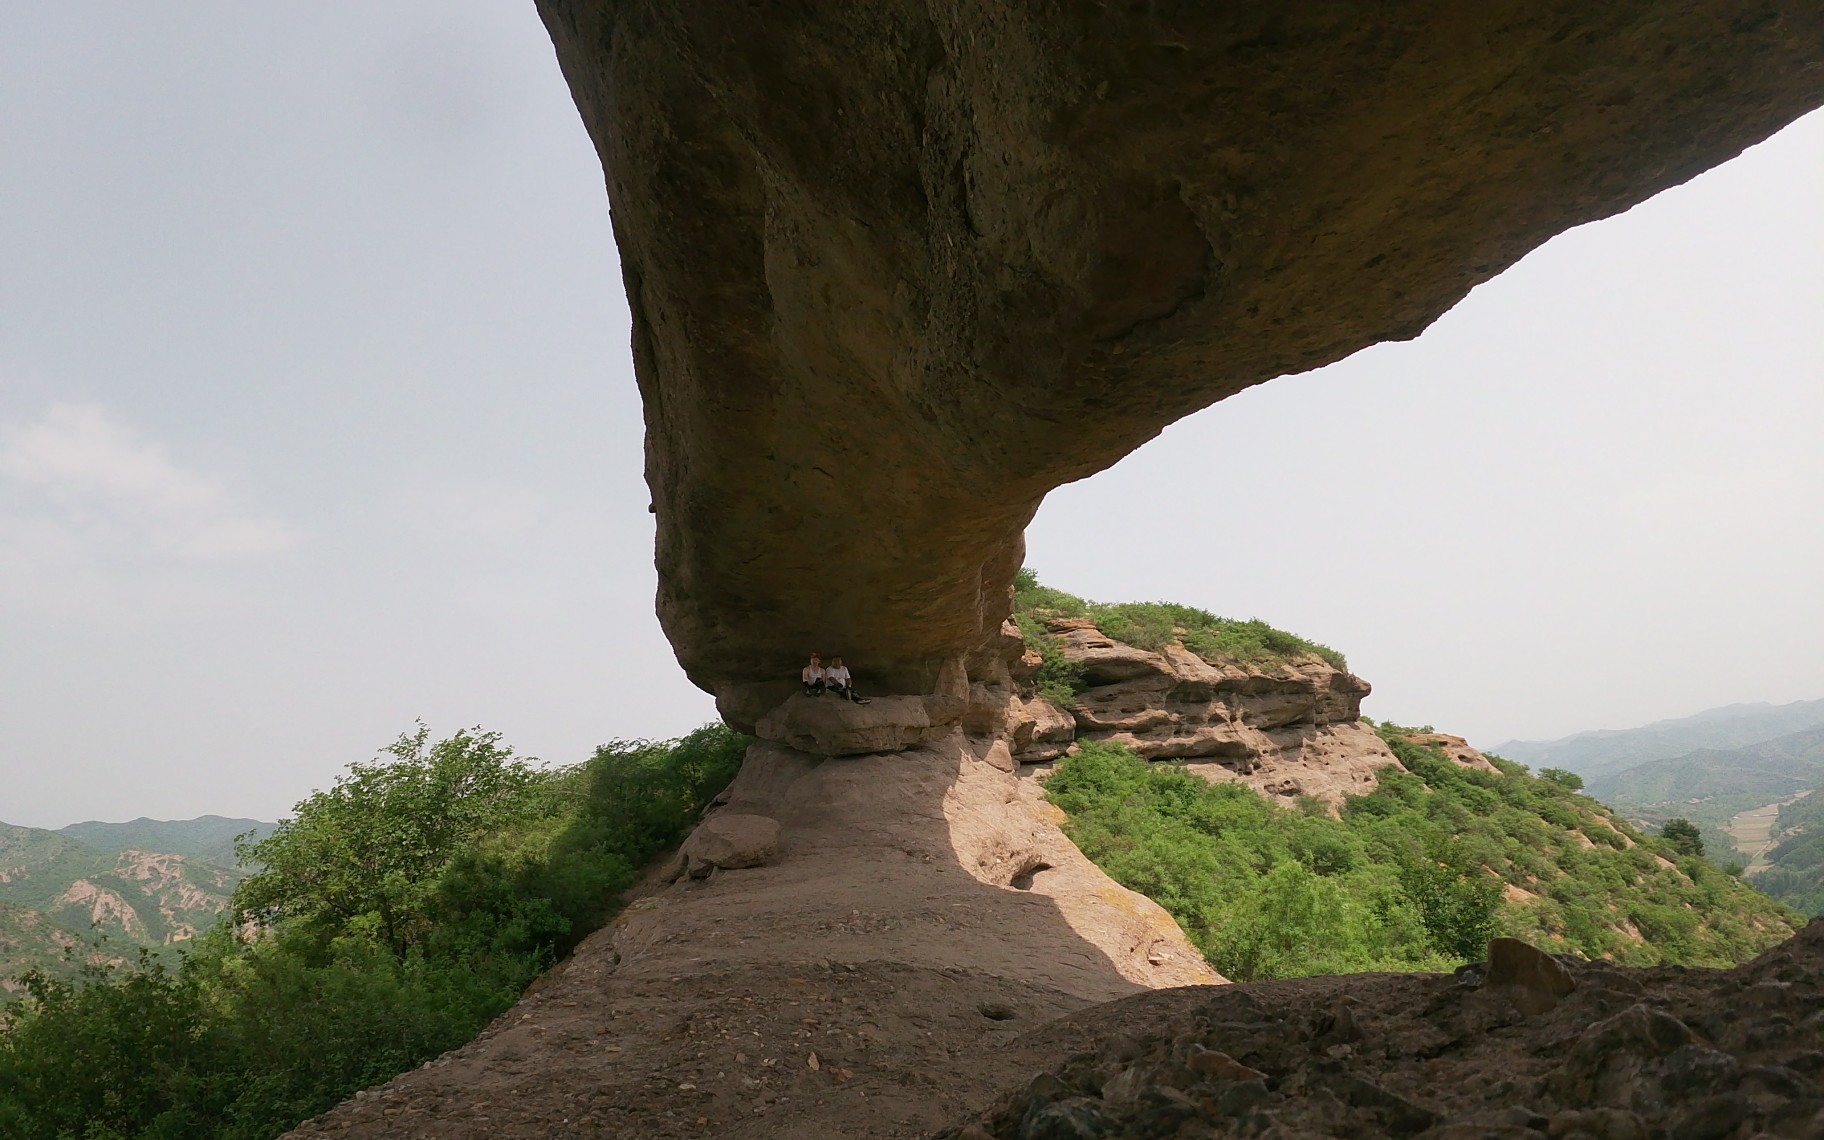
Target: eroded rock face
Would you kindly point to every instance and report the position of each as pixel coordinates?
(1294, 729)
(897, 269)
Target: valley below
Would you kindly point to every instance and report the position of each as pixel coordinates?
(96, 894)
(1756, 831)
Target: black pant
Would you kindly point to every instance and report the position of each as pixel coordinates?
(814, 687)
(845, 691)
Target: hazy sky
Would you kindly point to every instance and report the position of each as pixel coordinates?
(316, 417)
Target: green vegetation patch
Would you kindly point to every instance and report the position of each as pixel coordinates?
(113, 901)
(1413, 876)
(1151, 626)
(396, 914)
(1796, 874)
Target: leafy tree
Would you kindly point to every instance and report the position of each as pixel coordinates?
(366, 855)
(1457, 903)
(105, 1056)
(1684, 836)
(1564, 778)
(399, 912)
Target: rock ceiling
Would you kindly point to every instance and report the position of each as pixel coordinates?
(897, 269)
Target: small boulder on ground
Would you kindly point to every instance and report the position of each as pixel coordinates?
(730, 841)
(1531, 979)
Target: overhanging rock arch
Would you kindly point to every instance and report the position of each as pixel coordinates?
(899, 268)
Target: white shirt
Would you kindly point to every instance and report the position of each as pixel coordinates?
(837, 674)
(813, 673)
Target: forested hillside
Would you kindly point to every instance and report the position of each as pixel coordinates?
(1796, 874)
(392, 916)
(104, 904)
(1441, 847)
(29, 941)
(1416, 875)
(1750, 775)
(1731, 795)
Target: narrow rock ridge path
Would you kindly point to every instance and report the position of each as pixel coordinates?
(922, 911)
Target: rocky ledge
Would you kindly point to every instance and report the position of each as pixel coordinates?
(1286, 729)
(1521, 1047)
(1294, 728)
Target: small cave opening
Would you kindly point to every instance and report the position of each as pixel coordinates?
(1022, 879)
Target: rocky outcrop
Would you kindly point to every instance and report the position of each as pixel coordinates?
(1292, 729)
(729, 841)
(1455, 747)
(898, 268)
(830, 726)
(1525, 1046)
(1037, 729)
(1532, 980)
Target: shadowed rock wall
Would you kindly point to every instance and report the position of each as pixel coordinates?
(897, 269)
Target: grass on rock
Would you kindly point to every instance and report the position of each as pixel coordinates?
(1251, 644)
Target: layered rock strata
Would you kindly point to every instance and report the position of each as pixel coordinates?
(1292, 729)
(898, 268)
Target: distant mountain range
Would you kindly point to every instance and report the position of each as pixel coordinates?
(112, 887)
(1599, 753)
(207, 838)
(1762, 772)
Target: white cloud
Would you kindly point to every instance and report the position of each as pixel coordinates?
(77, 478)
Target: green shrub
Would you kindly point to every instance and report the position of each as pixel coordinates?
(105, 1056)
(1456, 900)
(1029, 597)
(1412, 875)
(1683, 835)
(1264, 891)
(401, 910)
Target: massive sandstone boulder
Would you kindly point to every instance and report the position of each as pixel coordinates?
(898, 268)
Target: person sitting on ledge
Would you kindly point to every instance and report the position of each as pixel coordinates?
(813, 677)
(840, 683)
